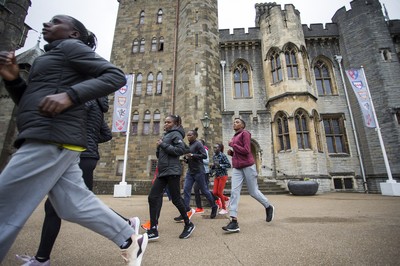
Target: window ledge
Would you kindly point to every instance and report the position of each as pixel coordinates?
(339, 155)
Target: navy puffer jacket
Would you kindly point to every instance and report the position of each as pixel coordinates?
(67, 66)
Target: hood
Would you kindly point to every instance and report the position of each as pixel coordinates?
(179, 129)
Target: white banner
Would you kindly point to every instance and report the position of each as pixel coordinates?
(122, 106)
(359, 84)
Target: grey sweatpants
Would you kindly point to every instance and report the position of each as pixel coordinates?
(238, 176)
(37, 169)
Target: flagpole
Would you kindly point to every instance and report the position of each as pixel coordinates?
(339, 60)
(128, 130)
(378, 129)
(123, 189)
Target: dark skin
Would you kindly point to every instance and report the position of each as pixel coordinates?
(217, 150)
(168, 125)
(58, 28)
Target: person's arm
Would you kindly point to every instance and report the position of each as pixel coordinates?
(105, 132)
(9, 71)
(225, 162)
(177, 148)
(200, 152)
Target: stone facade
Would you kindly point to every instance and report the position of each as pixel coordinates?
(281, 77)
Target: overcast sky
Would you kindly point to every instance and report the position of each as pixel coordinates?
(99, 16)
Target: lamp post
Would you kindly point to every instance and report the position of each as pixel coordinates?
(205, 121)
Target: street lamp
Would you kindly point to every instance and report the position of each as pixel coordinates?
(205, 121)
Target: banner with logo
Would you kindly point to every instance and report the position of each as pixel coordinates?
(122, 106)
(359, 84)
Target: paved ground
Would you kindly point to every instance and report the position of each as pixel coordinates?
(328, 229)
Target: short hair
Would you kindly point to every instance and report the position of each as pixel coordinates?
(241, 120)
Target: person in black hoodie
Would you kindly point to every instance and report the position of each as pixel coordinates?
(51, 124)
(195, 173)
(169, 148)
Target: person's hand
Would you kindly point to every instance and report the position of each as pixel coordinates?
(230, 152)
(159, 142)
(52, 105)
(9, 69)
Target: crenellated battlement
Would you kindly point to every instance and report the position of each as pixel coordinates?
(318, 30)
(239, 34)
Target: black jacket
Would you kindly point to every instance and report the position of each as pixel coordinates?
(67, 66)
(169, 151)
(196, 164)
(97, 129)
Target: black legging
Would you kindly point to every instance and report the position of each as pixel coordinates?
(156, 194)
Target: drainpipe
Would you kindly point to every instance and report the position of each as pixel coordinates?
(223, 63)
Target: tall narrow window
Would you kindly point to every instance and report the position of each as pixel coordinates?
(154, 44)
(276, 68)
(156, 122)
(291, 63)
(302, 130)
(335, 134)
(241, 81)
(159, 16)
(150, 79)
(135, 47)
(135, 122)
(141, 19)
(161, 44)
(142, 43)
(159, 83)
(139, 79)
(323, 78)
(283, 132)
(146, 123)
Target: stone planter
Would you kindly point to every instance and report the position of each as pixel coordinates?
(303, 188)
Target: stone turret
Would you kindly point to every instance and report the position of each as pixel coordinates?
(198, 70)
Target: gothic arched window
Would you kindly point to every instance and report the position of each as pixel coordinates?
(159, 16)
(142, 43)
(141, 18)
(283, 132)
(291, 62)
(149, 87)
(154, 44)
(323, 78)
(139, 79)
(135, 47)
(241, 81)
(159, 83)
(276, 67)
(301, 121)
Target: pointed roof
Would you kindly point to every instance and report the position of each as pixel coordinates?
(30, 55)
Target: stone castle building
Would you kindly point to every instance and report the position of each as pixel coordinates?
(282, 77)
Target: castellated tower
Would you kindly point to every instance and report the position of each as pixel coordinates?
(197, 71)
(291, 97)
(171, 47)
(366, 41)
